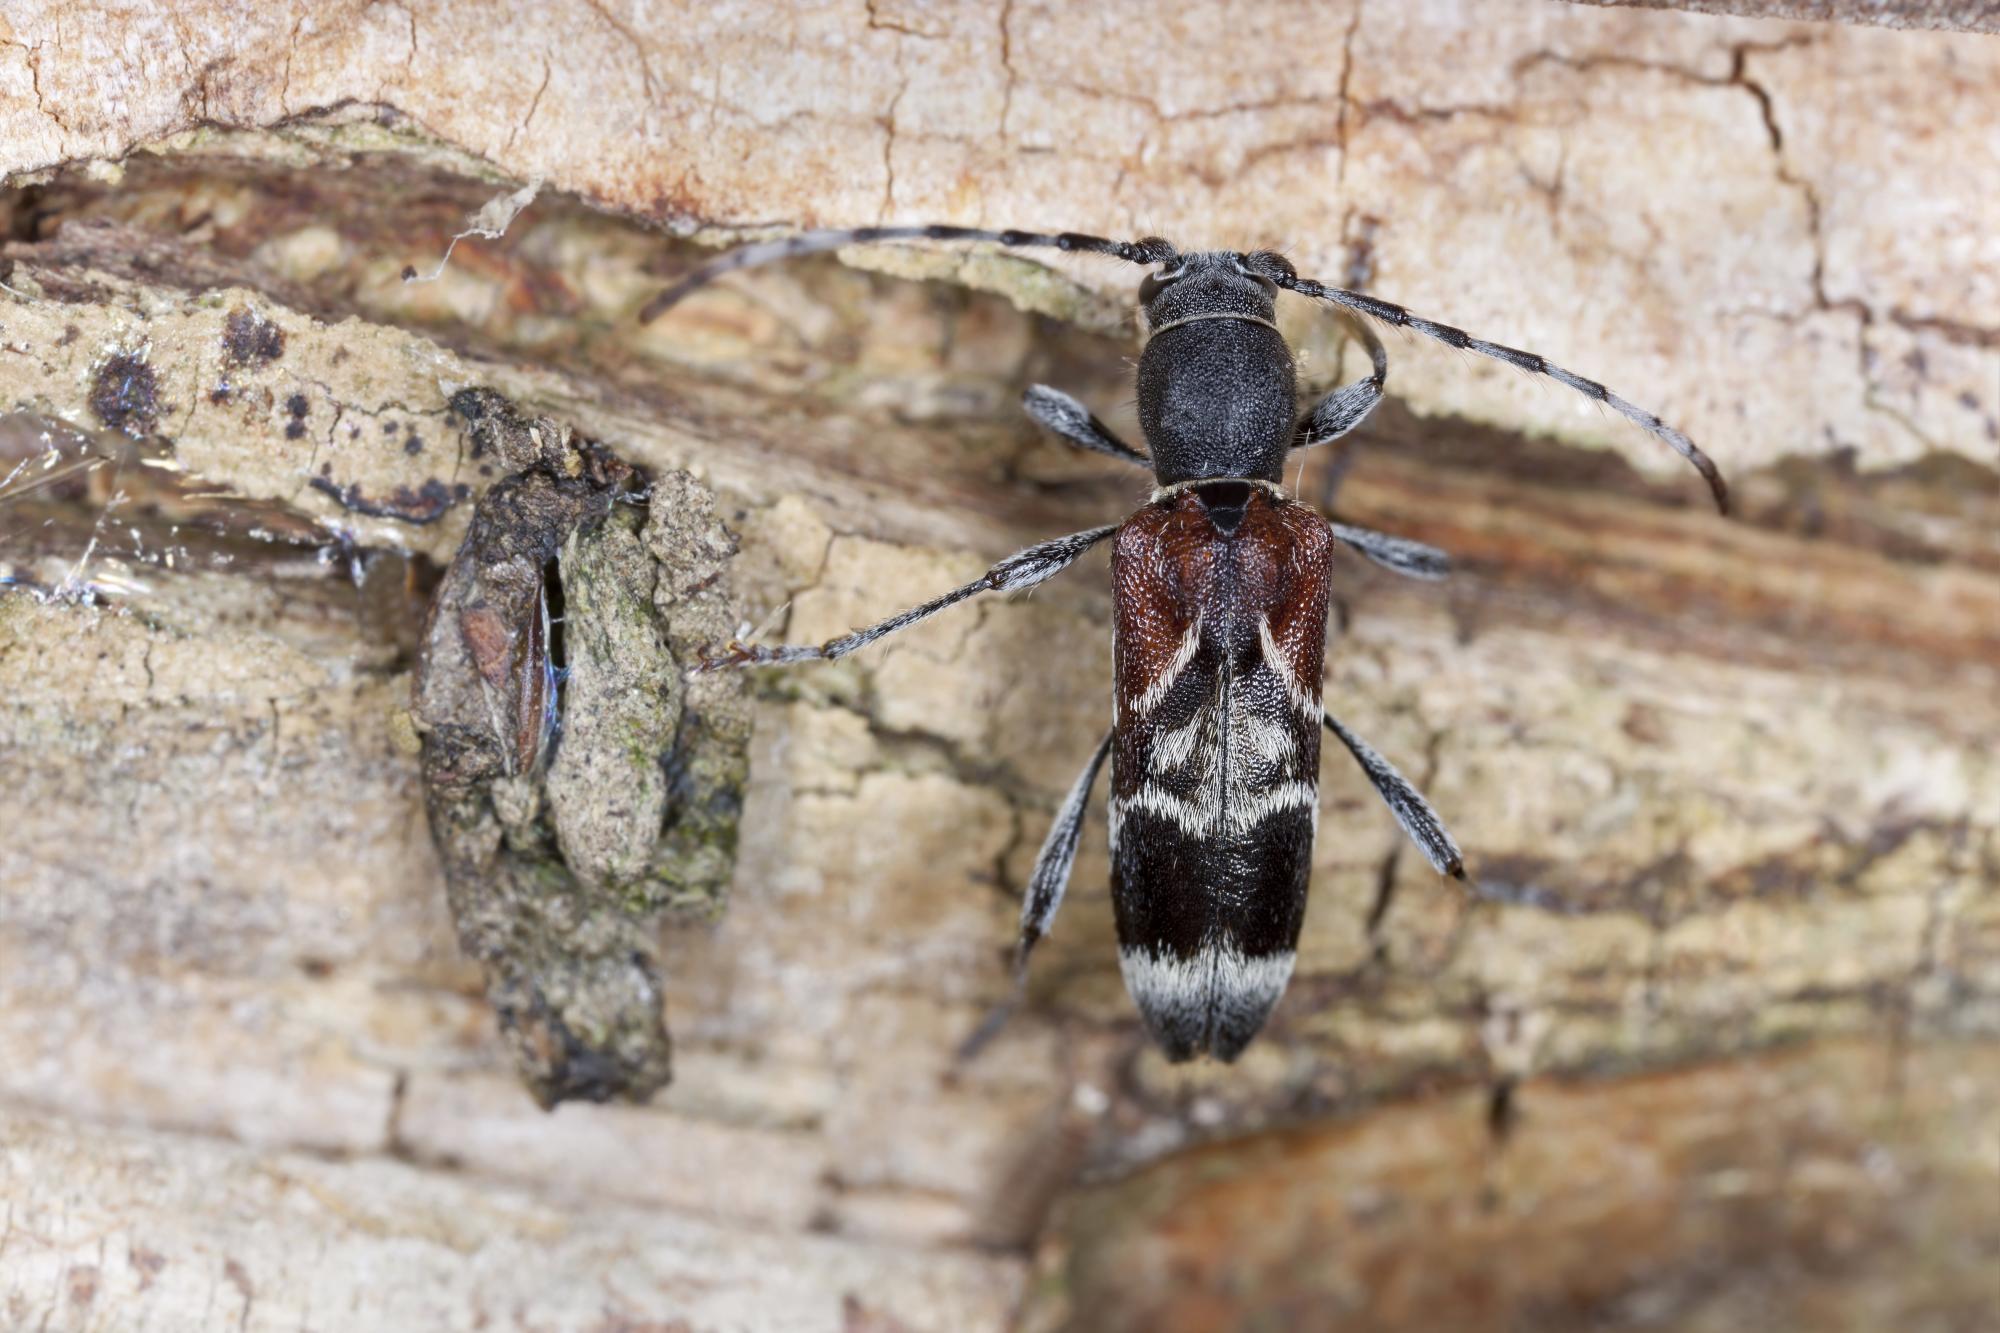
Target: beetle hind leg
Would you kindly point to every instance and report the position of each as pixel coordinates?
(1405, 802)
(1046, 885)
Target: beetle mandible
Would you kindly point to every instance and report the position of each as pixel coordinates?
(1221, 584)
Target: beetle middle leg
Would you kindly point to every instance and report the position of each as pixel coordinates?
(1334, 416)
(1023, 569)
(1400, 555)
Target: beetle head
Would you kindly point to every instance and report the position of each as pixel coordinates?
(1212, 282)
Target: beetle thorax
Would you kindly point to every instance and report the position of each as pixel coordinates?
(1217, 392)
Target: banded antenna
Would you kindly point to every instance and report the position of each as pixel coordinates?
(1279, 270)
(1145, 250)
(1265, 264)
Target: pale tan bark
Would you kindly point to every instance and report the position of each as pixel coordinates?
(1726, 787)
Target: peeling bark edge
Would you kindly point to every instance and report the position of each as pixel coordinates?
(1940, 15)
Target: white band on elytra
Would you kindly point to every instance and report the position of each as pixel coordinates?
(1190, 319)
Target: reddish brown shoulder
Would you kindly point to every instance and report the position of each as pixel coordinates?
(1294, 552)
(1162, 564)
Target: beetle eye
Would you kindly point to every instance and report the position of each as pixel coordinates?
(1262, 280)
(1155, 283)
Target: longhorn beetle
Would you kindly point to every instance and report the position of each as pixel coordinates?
(1221, 585)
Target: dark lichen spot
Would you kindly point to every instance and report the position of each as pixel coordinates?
(413, 445)
(426, 504)
(297, 405)
(250, 339)
(147, 1263)
(125, 396)
(70, 334)
(295, 430)
(388, 428)
(409, 273)
(222, 392)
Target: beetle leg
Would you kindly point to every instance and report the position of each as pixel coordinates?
(1397, 554)
(1058, 855)
(1046, 884)
(1023, 569)
(1405, 802)
(1060, 414)
(1349, 405)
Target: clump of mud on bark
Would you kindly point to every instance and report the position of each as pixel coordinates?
(571, 811)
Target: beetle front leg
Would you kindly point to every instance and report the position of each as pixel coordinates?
(1348, 406)
(1065, 417)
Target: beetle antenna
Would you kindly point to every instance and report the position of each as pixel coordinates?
(1145, 250)
(1279, 270)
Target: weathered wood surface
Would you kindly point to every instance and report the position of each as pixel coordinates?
(1730, 983)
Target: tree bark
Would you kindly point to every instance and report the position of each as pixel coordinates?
(1709, 1041)
(1949, 15)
